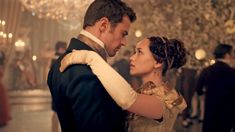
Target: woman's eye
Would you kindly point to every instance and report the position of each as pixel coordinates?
(139, 52)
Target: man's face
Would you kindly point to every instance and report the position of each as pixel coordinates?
(232, 58)
(61, 50)
(115, 37)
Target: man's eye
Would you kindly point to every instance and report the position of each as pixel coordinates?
(124, 34)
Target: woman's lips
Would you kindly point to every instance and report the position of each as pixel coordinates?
(131, 66)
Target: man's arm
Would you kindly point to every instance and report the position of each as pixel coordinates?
(93, 108)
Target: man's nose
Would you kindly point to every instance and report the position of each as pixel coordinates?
(123, 42)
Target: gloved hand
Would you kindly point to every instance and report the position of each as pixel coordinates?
(117, 87)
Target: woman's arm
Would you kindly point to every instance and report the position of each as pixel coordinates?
(148, 106)
(118, 88)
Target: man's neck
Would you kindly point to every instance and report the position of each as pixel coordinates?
(91, 35)
(224, 61)
(94, 45)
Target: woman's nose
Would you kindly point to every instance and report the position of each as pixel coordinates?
(132, 58)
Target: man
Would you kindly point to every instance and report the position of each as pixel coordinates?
(81, 102)
(219, 82)
(186, 83)
(60, 48)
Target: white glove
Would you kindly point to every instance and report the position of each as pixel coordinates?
(117, 87)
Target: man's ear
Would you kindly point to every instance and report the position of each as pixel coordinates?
(227, 56)
(104, 24)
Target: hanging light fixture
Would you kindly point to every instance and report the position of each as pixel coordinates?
(5, 38)
(57, 9)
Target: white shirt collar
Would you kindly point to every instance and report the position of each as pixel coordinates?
(92, 37)
(224, 60)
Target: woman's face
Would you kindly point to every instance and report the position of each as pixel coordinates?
(142, 62)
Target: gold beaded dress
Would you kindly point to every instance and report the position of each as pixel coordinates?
(173, 104)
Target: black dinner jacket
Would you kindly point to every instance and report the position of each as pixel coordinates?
(219, 82)
(81, 102)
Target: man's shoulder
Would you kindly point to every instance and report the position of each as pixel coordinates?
(79, 69)
(224, 67)
(70, 73)
(77, 45)
(74, 79)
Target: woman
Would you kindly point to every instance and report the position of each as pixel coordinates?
(155, 104)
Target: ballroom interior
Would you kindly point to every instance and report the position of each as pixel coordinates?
(30, 29)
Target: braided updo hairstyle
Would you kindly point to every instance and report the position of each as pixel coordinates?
(170, 52)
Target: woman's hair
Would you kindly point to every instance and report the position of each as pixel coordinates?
(170, 52)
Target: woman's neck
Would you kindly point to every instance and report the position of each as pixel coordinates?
(156, 78)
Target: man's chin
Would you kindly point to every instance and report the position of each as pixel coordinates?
(112, 54)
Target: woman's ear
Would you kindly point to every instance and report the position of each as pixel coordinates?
(157, 65)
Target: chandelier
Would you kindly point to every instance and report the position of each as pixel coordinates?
(5, 38)
(57, 9)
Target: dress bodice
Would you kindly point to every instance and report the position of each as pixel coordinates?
(173, 104)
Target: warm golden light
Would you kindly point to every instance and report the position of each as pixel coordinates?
(200, 54)
(4, 35)
(212, 62)
(138, 33)
(57, 9)
(19, 43)
(3, 23)
(34, 58)
(10, 35)
(5, 38)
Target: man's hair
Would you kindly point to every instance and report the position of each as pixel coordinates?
(60, 44)
(221, 50)
(114, 10)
